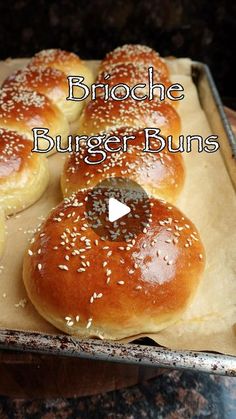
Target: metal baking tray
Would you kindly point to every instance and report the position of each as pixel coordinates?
(145, 352)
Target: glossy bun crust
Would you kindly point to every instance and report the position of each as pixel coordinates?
(131, 75)
(160, 174)
(24, 175)
(22, 110)
(65, 61)
(138, 55)
(151, 280)
(100, 115)
(49, 82)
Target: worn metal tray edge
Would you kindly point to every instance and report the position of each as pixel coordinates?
(153, 356)
(197, 65)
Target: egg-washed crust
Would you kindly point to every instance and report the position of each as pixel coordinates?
(137, 55)
(89, 287)
(65, 61)
(106, 115)
(24, 175)
(160, 174)
(23, 110)
(49, 82)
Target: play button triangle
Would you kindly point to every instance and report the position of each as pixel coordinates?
(116, 209)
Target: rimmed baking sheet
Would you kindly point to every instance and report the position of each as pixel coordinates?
(211, 208)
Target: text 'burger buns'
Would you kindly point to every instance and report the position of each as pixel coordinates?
(22, 110)
(24, 175)
(160, 174)
(89, 287)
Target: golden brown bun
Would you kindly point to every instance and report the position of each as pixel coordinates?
(100, 115)
(132, 74)
(2, 232)
(22, 110)
(49, 82)
(128, 73)
(136, 54)
(160, 174)
(151, 281)
(65, 61)
(23, 175)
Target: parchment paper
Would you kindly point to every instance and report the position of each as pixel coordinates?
(208, 199)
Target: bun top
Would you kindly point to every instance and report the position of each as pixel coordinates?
(65, 61)
(15, 154)
(45, 80)
(103, 115)
(56, 58)
(23, 175)
(49, 82)
(160, 174)
(91, 287)
(136, 54)
(23, 110)
(132, 74)
(23, 106)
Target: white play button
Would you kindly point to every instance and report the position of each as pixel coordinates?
(116, 209)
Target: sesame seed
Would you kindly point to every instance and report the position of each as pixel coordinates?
(63, 267)
(89, 323)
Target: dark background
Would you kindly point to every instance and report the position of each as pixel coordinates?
(203, 30)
